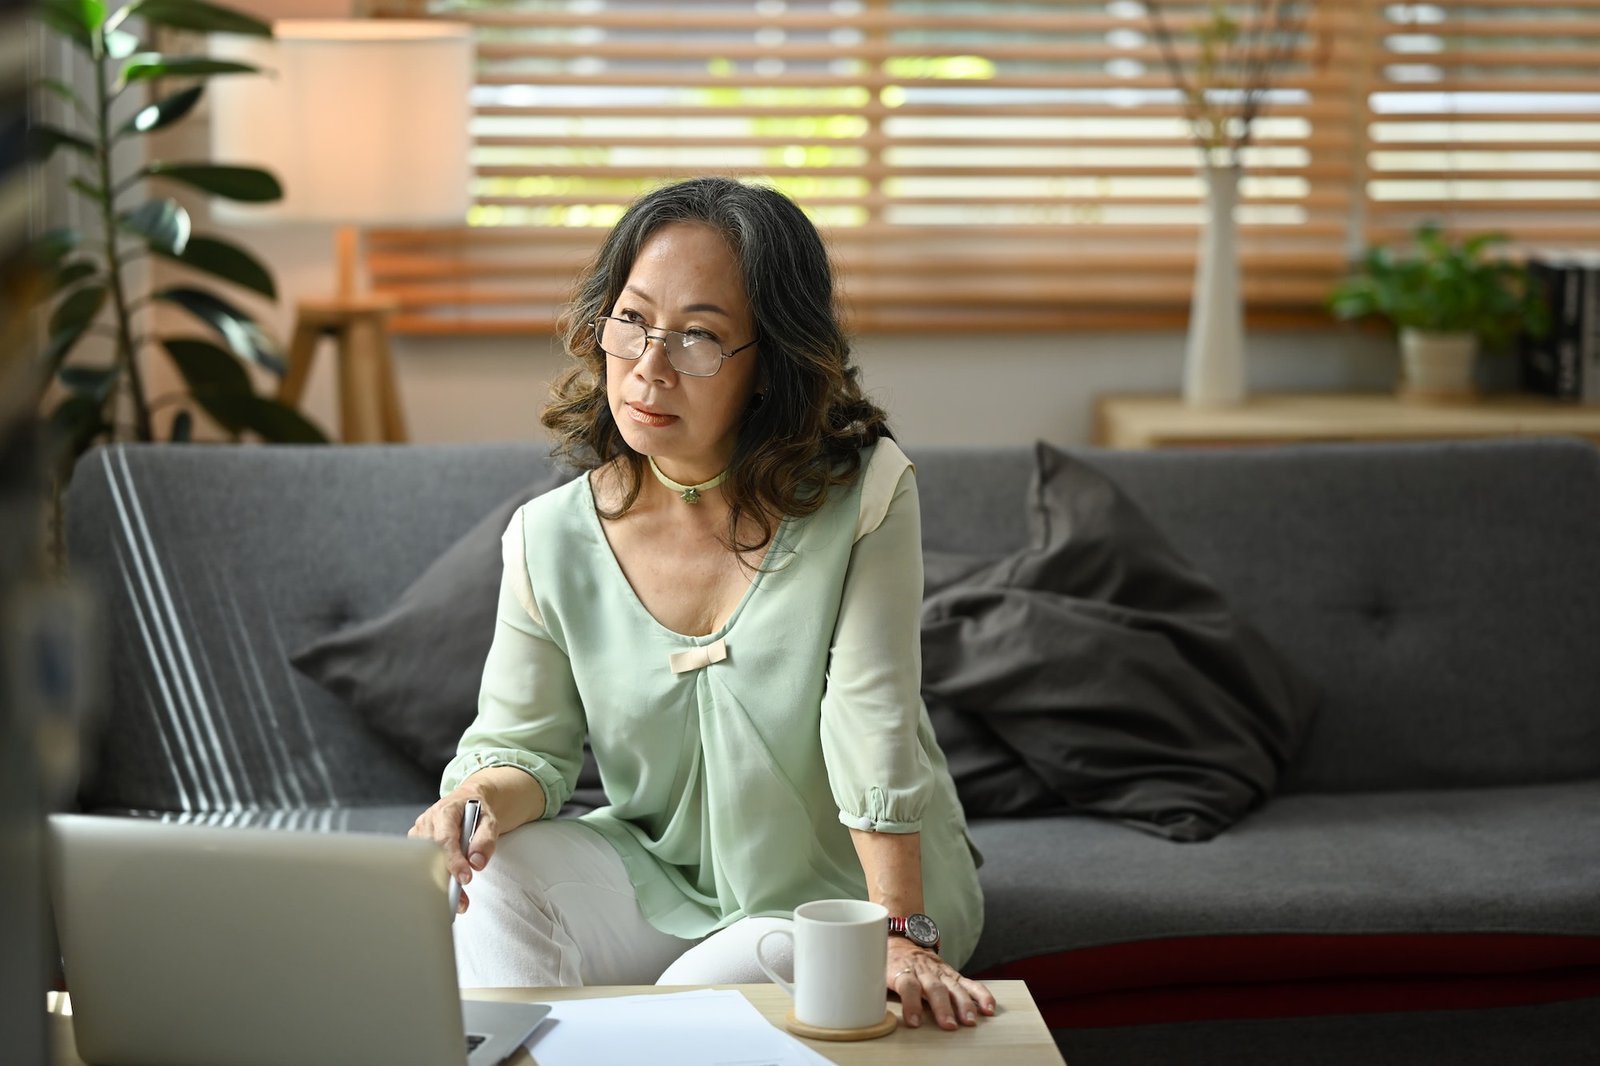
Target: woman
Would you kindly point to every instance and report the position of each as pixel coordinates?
(727, 605)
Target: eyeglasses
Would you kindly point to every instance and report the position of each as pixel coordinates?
(695, 353)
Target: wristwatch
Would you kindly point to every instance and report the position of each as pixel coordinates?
(917, 928)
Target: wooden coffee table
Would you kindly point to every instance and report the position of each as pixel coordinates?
(1015, 1035)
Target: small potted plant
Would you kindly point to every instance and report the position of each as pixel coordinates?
(1447, 300)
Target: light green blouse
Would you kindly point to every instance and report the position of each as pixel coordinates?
(735, 762)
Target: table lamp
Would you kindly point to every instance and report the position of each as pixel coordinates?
(365, 122)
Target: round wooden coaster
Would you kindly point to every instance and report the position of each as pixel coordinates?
(816, 1032)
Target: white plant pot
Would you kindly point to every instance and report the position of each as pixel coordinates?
(1213, 362)
(1438, 366)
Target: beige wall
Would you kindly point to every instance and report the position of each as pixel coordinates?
(1007, 389)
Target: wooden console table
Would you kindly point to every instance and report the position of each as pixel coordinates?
(1130, 420)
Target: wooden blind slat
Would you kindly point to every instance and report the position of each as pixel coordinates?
(701, 51)
(1509, 117)
(1328, 136)
(876, 235)
(882, 171)
(1073, 18)
(876, 81)
(1000, 108)
(415, 268)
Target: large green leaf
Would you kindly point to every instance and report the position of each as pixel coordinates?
(218, 383)
(72, 427)
(77, 20)
(44, 139)
(87, 189)
(195, 15)
(147, 65)
(120, 44)
(91, 382)
(275, 421)
(59, 89)
(243, 337)
(71, 320)
(272, 419)
(250, 185)
(163, 113)
(78, 309)
(164, 225)
(54, 245)
(203, 365)
(230, 263)
(72, 273)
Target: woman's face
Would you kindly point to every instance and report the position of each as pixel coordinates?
(685, 278)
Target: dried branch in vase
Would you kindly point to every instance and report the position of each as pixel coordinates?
(1225, 87)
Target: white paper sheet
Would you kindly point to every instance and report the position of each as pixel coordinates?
(707, 1027)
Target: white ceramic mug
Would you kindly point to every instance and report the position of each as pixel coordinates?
(841, 948)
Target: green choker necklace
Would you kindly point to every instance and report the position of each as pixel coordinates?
(689, 493)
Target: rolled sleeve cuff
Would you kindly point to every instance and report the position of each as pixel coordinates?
(463, 766)
(878, 818)
(881, 825)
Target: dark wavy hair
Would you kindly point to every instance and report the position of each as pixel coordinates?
(805, 435)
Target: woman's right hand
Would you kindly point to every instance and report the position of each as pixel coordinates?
(441, 824)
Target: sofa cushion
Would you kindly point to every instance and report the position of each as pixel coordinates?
(1324, 869)
(1110, 670)
(412, 671)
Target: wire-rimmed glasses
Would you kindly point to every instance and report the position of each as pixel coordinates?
(696, 354)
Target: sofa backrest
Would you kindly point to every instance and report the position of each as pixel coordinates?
(1444, 598)
(216, 562)
(1441, 598)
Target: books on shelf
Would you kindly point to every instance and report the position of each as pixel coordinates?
(1565, 362)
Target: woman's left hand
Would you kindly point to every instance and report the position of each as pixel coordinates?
(917, 974)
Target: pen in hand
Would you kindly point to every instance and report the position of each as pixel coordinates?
(469, 823)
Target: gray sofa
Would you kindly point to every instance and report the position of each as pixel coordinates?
(1424, 887)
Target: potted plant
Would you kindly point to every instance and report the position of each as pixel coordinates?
(1448, 299)
(91, 294)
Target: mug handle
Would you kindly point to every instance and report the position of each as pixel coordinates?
(766, 969)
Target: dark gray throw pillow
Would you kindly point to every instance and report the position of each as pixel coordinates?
(412, 673)
(1098, 671)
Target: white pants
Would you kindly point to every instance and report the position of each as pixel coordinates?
(555, 907)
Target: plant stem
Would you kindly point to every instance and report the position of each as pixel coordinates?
(1169, 56)
(127, 355)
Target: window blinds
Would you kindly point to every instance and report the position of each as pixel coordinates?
(994, 166)
(1486, 116)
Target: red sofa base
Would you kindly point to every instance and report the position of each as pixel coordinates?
(1278, 976)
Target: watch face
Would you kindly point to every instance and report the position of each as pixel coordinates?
(921, 930)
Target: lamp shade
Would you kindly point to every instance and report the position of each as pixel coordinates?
(364, 121)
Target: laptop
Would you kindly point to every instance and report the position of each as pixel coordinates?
(191, 945)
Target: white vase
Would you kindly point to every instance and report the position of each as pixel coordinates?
(1213, 362)
(1438, 366)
